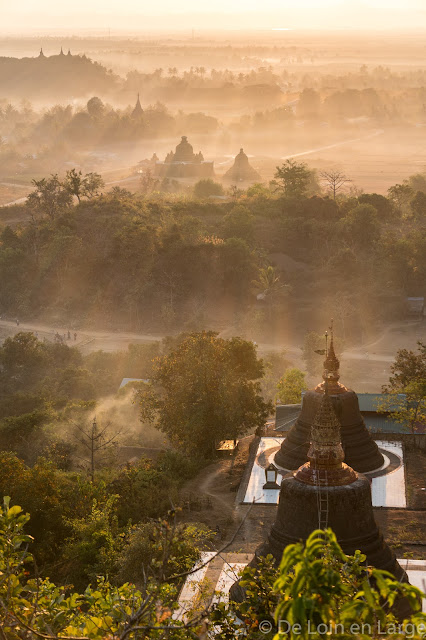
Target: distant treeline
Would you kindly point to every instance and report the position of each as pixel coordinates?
(157, 261)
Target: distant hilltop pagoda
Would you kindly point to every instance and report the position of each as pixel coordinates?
(361, 452)
(61, 54)
(241, 171)
(184, 163)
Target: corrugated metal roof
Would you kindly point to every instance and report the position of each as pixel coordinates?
(286, 415)
(378, 422)
(372, 401)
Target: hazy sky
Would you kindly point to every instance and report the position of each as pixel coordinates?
(169, 14)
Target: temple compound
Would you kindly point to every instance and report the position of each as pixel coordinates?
(326, 492)
(241, 171)
(361, 452)
(184, 163)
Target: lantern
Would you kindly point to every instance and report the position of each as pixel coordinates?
(271, 473)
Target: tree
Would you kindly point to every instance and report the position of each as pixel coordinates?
(50, 197)
(269, 288)
(418, 206)
(80, 186)
(361, 226)
(400, 194)
(206, 390)
(269, 282)
(275, 363)
(309, 104)
(239, 223)
(148, 182)
(206, 188)
(37, 608)
(406, 391)
(290, 386)
(417, 182)
(95, 107)
(149, 542)
(335, 181)
(339, 592)
(384, 206)
(317, 591)
(239, 267)
(292, 178)
(95, 440)
(22, 358)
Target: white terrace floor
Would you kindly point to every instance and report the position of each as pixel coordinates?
(387, 490)
(213, 582)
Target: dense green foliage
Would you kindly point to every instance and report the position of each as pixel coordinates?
(33, 607)
(316, 587)
(290, 386)
(319, 591)
(405, 398)
(206, 390)
(80, 528)
(162, 262)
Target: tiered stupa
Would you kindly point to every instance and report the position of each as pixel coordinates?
(241, 171)
(361, 452)
(325, 492)
(137, 111)
(184, 163)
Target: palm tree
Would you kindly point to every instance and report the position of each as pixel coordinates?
(269, 287)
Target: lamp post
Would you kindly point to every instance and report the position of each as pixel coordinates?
(271, 473)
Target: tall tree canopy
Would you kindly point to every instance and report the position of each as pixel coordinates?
(406, 391)
(205, 390)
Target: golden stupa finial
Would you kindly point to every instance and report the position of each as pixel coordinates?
(331, 366)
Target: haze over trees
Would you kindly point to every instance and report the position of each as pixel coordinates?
(158, 260)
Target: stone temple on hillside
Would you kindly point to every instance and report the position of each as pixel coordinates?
(361, 452)
(184, 163)
(241, 171)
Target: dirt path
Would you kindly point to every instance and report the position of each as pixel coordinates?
(378, 132)
(93, 340)
(206, 488)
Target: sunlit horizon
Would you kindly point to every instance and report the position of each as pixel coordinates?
(135, 17)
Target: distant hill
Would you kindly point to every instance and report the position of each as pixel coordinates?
(62, 76)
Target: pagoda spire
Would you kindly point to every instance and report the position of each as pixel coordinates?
(331, 373)
(325, 454)
(137, 111)
(41, 54)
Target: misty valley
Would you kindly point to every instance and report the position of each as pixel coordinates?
(212, 330)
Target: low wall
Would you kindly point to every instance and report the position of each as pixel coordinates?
(410, 440)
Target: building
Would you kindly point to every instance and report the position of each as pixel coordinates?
(184, 163)
(241, 170)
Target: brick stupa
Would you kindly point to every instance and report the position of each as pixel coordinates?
(361, 452)
(326, 492)
(241, 170)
